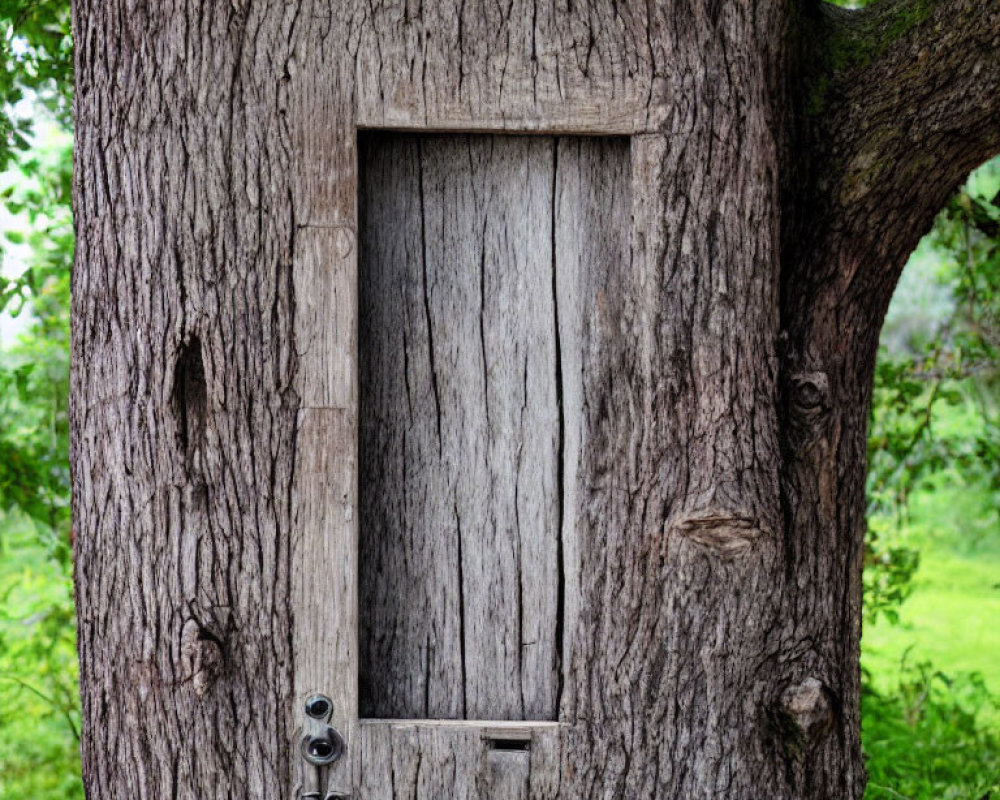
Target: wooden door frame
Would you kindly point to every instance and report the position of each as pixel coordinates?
(351, 76)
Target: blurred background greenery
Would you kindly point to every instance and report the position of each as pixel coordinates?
(39, 705)
(931, 648)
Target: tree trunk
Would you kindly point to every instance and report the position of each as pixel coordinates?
(694, 375)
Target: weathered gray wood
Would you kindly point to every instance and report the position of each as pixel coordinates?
(466, 412)
(518, 66)
(324, 555)
(428, 760)
(593, 214)
(324, 275)
(323, 197)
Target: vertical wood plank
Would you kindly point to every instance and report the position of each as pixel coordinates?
(325, 271)
(593, 215)
(324, 550)
(459, 429)
(320, 96)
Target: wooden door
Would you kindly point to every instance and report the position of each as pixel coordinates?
(472, 253)
(453, 562)
(462, 266)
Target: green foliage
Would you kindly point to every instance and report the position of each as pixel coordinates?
(37, 61)
(934, 491)
(38, 192)
(36, 81)
(34, 383)
(39, 713)
(924, 740)
(950, 619)
(39, 709)
(39, 706)
(934, 375)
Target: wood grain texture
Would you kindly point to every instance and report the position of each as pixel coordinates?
(324, 576)
(715, 382)
(183, 407)
(324, 499)
(471, 248)
(317, 94)
(325, 314)
(521, 66)
(429, 760)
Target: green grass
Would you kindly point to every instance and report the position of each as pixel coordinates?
(39, 716)
(952, 619)
(931, 725)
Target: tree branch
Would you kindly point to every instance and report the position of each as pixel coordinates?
(906, 103)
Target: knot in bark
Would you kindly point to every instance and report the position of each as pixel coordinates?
(808, 405)
(201, 657)
(807, 710)
(810, 394)
(725, 533)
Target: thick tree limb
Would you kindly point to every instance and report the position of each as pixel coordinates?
(906, 103)
(899, 103)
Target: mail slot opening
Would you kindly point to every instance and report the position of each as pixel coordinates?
(510, 745)
(472, 249)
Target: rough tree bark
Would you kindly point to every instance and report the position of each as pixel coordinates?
(784, 159)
